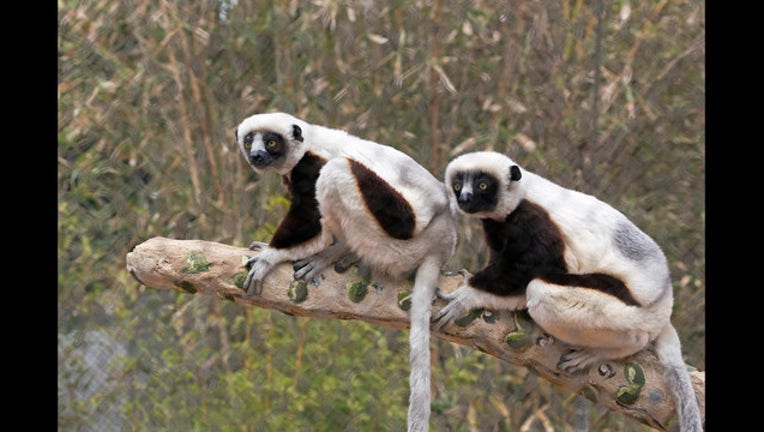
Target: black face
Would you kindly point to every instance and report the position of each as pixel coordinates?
(475, 191)
(263, 148)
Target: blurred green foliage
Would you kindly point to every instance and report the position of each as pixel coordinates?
(151, 91)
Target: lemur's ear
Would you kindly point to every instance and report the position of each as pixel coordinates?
(514, 173)
(297, 133)
(236, 134)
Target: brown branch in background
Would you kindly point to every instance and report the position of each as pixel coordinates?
(298, 355)
(593, 140)
(225, 341)
(188, 142)
(588, 148)
(284, 53)
(509, 64)
(201, 114)
(633, 386)
(435, 141)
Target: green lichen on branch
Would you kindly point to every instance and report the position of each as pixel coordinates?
(635, 377)
(523, 327)
(298, 291)
(358, 290)
(197, 263)
(467, 319)
(404, 300)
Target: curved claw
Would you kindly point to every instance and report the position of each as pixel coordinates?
(466, 298)
(465, 273)
(297, 265)
(311, 267)
(253, 286)
(257, 245)
(452, 296)
(345, 262)
(451, 312)
(577, 360)
(444, 295)
(251, 260)
(303, 269)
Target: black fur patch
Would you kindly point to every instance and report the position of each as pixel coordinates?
(528, 245)
(522, 247)
(297, 133)
(481, 200)
(388, 206)
(279, 148)
(514, 173)
(303, 220)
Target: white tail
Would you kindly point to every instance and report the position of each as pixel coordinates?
(677, 378)
(425, 283)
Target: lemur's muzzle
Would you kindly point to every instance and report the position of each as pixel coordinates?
(260, 159)
(467, 202)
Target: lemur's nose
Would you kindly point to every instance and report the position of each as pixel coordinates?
(259, 158)
(465, 197)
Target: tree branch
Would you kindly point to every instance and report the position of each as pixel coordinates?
(633, 386)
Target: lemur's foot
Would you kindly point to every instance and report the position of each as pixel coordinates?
(309, 268)
(259, 266)
(450, 296)
(461, 302)
(253, 284)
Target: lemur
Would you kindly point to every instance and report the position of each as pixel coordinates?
(586, 274)
(355, 198)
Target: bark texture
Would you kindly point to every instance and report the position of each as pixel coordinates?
(633, 386)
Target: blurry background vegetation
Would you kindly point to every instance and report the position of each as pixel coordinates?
(150, 93)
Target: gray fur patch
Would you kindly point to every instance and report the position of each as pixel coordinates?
(631, 242)
(407, 176)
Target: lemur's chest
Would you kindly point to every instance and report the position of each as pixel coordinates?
(528, 234)
(301, 181)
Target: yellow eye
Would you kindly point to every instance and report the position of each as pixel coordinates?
(457, 187)
(248, 140)
(483, 186)
(271, 143)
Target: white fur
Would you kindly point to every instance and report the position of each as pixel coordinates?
(589, 226)
(346, 220)
(602, 326)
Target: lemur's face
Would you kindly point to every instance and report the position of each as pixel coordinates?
(270, 141)
(475, 191)
(485, 184)
(263, 148)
